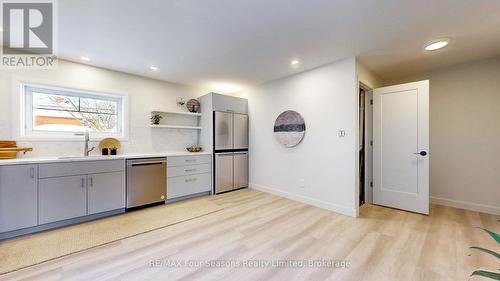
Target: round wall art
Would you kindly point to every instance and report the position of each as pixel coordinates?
(193, 105)
(289, 128)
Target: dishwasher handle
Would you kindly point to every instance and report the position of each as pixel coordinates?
(142, 163)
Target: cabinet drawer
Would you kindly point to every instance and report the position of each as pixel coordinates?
(188, 185)
(51, 170)
(173, 161)
(178, 171)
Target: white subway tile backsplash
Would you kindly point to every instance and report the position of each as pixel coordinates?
(141, 140)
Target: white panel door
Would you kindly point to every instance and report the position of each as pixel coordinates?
(401, 146)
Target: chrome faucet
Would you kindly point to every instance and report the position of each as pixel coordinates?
(86, 149)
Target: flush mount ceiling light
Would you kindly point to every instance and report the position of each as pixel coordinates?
(294, 62)
(85, 58)
(154, 68)
(436, 45)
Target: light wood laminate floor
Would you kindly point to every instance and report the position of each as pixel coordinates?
(382, 244)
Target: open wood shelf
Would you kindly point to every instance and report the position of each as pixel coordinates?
(176, 127)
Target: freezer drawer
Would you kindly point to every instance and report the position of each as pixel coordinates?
(223, 172)
(240, 131)
(223, 130)
(240, 164)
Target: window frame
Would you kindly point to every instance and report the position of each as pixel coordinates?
(27, 131)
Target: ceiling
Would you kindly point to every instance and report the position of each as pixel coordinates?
(248, 42)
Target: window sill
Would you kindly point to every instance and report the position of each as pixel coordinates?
(66, 138)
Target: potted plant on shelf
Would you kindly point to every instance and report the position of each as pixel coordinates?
(155, 119)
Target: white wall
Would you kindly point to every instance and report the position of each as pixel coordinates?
(144, 95)
(368, 77)
(327, 99)
(465, 135)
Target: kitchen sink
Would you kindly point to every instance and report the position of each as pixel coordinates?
(80, 157)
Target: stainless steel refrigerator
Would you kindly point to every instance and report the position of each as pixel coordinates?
(231, 151)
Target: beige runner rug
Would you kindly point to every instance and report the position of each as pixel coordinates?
(20, 252)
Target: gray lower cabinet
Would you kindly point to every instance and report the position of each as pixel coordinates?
(188, 185)
(32, 197)
(18, 197)
(62, 198)
(188, 176)
(106, 192)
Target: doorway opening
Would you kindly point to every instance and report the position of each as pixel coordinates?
(365, 149)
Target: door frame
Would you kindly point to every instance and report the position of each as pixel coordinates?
(368, 147)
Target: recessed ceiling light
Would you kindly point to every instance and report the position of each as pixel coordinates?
(295, 62)
(85, 58)
(436, 45)
(154, 68)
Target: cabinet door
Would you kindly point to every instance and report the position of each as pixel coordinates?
(240, 170)
(18, 197)
(106, 192)
(229, 103)
(62, 198)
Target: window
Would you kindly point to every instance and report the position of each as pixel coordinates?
(59, 112)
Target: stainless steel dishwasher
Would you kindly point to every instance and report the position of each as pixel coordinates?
(146, 181)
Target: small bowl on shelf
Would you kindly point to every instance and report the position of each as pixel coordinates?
(193, 149)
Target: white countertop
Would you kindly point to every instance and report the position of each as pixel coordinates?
(36, 160)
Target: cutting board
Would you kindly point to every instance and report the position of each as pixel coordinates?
(9, 149)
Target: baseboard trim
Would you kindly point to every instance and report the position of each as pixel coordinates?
(466, 205)
(307, 200)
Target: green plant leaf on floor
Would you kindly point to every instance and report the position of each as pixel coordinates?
(495, 254)
(491, 233)
(488, 274)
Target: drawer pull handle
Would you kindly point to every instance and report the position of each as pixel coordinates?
(83, 182)
(190, 160)
(91, 181)
(32, 173)
(190, 180)
(190, 170)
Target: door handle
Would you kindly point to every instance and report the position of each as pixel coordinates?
(421, 153)
(32, 173)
